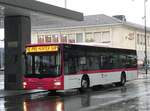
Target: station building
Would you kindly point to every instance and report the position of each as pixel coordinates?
(99, 29)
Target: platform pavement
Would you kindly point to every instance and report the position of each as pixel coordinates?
(9, 93)
(142, 74)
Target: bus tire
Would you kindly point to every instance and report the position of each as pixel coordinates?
(122, 80)
(84, 83)
(52, 92)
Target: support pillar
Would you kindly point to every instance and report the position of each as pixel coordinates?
(17, 34)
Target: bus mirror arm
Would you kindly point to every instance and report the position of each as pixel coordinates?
(24, 54)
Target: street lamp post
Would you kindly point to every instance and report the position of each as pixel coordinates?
(145, 33)
(2, 42)
(65, 3)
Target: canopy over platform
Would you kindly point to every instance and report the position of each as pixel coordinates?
(39, 13)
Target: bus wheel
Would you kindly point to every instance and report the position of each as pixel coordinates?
(84, 84)
(123, 79)
(52, 92)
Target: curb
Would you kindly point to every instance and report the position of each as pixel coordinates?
(15, 93)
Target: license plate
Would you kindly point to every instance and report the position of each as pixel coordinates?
(40, 88)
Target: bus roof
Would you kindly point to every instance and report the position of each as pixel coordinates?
(102, 45)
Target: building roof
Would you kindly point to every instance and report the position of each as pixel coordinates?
(89, 20)
(92, 20)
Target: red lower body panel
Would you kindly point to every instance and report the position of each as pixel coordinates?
(55, 83)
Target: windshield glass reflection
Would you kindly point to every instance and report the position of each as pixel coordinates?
(42, 65)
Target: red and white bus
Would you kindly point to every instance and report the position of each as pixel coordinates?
(66, 66)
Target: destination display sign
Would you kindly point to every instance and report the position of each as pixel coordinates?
(41, 49)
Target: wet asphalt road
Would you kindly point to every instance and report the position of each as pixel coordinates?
(135, 96)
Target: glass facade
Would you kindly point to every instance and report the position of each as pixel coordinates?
(79, 37)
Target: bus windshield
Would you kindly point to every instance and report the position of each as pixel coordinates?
(42, 65)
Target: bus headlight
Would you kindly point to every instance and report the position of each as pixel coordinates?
(58, 83)
(24, 84)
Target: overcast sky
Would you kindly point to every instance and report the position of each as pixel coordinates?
(132, 9)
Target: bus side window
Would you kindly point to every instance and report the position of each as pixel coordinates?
(101, 62)
(83, 63)
(66, 67)
(115, 61)
(130, 61)
(93, 63)
(122, 61)
(66, 63)
(70, 62)
(70, 66)
(106, 62)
